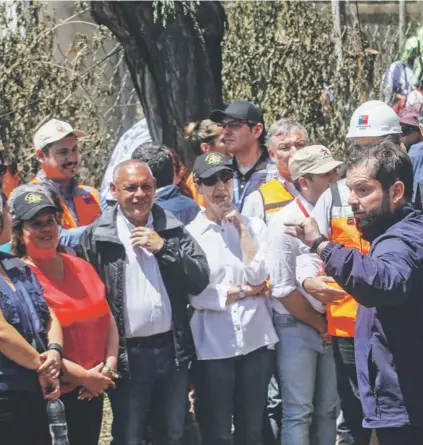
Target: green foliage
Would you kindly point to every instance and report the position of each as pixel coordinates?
(281, 54)
(30, 75)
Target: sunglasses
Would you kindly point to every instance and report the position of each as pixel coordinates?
(225, 177)
(3, 169)
(407, 129)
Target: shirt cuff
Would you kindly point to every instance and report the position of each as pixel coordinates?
(281, 291)
(328, 250)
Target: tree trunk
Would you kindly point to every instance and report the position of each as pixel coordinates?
(176, 66)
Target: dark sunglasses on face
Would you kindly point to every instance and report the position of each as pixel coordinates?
(407, 129)
(225, 177)
(3, 169)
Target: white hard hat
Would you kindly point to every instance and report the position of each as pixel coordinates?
(373, 119)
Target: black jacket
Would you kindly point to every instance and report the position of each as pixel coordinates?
(182, 263)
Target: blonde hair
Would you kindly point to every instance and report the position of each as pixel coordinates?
(202, 131)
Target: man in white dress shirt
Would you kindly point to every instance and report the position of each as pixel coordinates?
(150, 264)
(284, 138)
(304, 356)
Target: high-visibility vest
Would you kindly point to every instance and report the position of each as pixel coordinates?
(87, 207)
(275, 196)
(342, 316)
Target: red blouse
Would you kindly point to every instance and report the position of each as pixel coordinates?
(79, 301)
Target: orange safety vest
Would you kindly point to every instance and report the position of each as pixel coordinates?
(342, 316)
(87, 207)
(275, 196)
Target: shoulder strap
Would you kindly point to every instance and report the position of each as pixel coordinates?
(302, 208)
(336, 196)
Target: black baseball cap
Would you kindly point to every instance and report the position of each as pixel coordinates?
(239, 109)
(27, 205)
(210, 163)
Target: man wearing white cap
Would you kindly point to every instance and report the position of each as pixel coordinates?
(371, 122)
(305, 362)
(56, 145)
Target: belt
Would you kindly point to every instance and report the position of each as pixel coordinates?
(152, 341)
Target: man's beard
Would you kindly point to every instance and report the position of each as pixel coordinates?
(377, 221)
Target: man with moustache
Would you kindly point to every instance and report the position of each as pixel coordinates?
(57, 150)
(387, 285)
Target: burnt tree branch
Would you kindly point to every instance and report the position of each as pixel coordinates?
(176, 67)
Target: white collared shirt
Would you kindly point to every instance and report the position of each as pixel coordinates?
(254, 205)
(147, 309)
(222, 331)
(289, 260)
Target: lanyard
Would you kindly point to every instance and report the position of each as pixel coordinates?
(302, 208)
(238, 200)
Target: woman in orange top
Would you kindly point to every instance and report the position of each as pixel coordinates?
(75, 292)
(203, 136)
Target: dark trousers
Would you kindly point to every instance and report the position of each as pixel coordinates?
(350, 430)
(406, 435)
(23, 419)
(233, 387)
(154, 383)
(83, 418)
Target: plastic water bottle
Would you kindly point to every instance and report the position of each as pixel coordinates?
(57, 422)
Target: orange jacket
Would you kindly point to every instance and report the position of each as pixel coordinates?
(87, 207)
(274, 195)
(342, 316)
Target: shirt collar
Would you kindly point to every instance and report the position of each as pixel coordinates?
(206, 223)
(129, 225)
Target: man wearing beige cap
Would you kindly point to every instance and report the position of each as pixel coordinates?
(56, 145)
(305, 362)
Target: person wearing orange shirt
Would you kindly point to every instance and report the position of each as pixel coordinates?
(77, 295)
(203, 136)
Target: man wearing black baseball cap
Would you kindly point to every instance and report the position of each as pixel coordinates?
(244, 132)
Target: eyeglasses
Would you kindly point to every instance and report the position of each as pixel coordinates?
(407, 129)
(3, 169)
(225, 177)
(235, 124)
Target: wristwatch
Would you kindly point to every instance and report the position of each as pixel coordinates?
(55, 347)
(317, 242)
(241, 293)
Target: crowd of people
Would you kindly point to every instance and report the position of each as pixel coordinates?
(277, 285)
